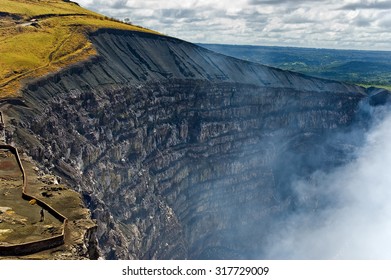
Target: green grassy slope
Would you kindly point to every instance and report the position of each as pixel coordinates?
(38, 37)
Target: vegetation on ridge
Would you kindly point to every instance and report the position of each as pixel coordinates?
(38, 37)
(365, 68)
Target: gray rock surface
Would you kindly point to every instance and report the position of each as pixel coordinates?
(180, 152)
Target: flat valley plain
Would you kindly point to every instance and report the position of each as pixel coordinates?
(365, 68)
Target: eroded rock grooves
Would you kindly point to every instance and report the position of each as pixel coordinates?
(180, 152)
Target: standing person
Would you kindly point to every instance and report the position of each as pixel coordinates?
(42, 215)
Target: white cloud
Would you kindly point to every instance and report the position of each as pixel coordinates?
(362, 24)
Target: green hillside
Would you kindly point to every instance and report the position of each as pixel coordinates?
(38, 37)
(366, 68)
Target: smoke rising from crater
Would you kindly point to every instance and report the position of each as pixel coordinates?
(356, 224)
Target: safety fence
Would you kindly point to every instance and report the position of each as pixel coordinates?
(38, 245)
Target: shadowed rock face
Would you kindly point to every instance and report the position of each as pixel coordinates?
(180, 152)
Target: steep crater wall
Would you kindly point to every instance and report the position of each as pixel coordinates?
(180, 152)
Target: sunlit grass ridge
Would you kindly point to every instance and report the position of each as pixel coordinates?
(38, 37)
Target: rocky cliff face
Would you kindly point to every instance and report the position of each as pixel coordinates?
(180, 152)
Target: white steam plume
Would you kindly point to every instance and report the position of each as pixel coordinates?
(357, 225)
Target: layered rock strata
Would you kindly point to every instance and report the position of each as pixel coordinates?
(180, 152)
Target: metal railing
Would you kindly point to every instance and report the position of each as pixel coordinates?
(38, 245)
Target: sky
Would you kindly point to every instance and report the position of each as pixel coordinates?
(338, 24)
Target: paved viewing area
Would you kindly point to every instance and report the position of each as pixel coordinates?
(20, 220)
(27, 224)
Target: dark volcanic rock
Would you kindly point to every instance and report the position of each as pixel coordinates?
(180, 152)
(378, 96)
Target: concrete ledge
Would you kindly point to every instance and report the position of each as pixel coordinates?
(39, 245)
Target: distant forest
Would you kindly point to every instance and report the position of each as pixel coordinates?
(366, 68)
